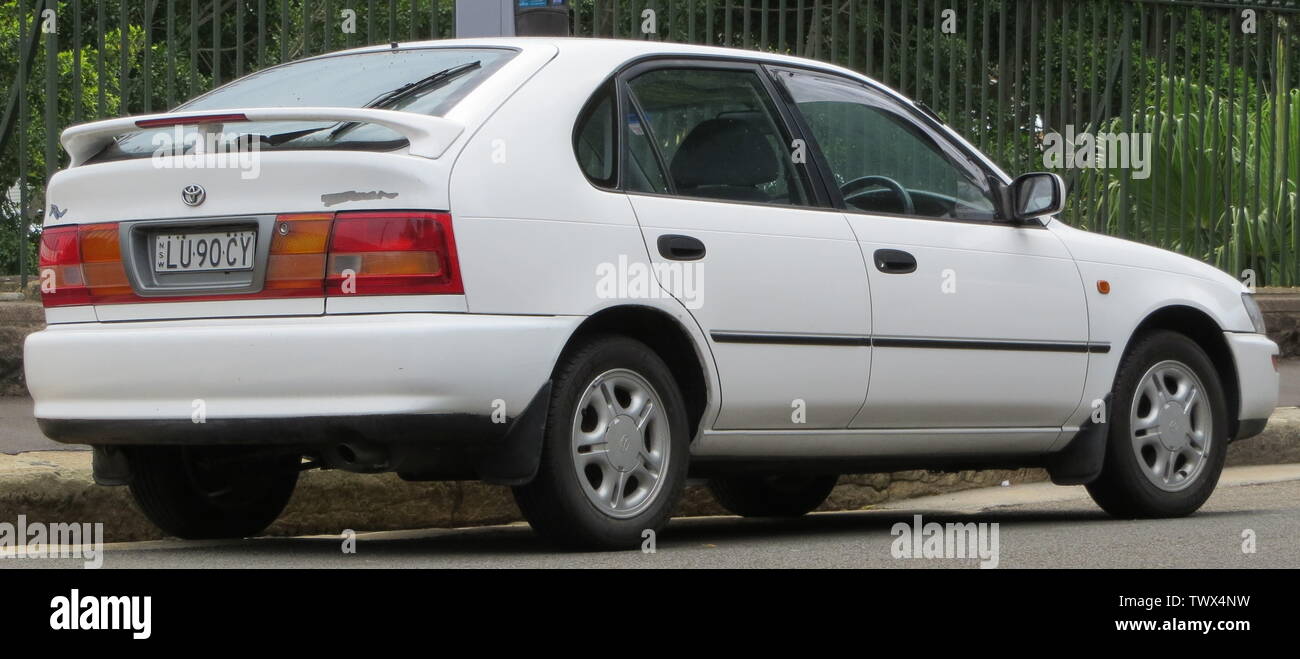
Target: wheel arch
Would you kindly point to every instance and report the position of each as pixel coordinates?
(1198, 326)
(669, 338)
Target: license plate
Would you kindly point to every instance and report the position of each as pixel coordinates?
(203, 252)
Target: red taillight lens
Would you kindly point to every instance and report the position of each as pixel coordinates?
(393, 253)
(62, 282)
(59, 246)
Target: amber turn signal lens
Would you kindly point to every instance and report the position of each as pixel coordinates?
(307, 233)
(297, 258)
(1103, 287)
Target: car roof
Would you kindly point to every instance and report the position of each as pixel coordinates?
(613, 52)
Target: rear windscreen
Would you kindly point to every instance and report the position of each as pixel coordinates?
(406, 80)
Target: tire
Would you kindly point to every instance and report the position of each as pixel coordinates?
(594, 488)
(772, 496)
(211, 492)
(1137, 480)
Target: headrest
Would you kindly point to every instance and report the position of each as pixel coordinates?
(724, 151)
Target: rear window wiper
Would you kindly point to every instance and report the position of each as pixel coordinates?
(423, 85)
(427, 83)
(278, 138)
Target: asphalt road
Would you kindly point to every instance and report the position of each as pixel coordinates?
(19, 433)
(1289, 389)
(1039, 525)
(18, 430)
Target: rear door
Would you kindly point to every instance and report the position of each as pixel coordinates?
(978, 322)
(723, 196)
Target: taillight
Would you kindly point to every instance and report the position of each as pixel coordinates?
(392, 253)
(311, 255)
(82, 265)
(62, 283)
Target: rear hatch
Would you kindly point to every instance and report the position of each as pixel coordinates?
(273, 194)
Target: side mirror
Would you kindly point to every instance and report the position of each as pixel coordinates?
(1037, 195)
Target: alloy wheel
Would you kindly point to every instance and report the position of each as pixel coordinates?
(1171, 424)
(621, 443)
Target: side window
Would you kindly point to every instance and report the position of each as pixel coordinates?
(594, 140)
(883, 160)
(715, 133)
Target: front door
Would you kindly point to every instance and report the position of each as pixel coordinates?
(978, 322)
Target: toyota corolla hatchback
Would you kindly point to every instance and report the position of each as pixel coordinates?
(592, 269)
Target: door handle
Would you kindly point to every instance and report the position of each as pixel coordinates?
(895, 261)
(680, 248)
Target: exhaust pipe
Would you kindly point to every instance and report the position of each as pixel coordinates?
(360, 457)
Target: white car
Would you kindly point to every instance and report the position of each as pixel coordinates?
(590, 269)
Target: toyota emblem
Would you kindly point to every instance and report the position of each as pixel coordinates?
(193, 195)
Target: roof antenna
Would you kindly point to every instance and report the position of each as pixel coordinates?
(393, 45)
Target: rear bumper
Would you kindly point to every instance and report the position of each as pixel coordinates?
(1257, 379)
(417, 447)
(391, 378)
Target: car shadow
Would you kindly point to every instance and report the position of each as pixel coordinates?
(519, 540)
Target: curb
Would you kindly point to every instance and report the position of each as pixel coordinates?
(1278, 444)
(56, 486)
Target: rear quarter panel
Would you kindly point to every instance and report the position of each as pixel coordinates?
(532, 233)
(530, 228)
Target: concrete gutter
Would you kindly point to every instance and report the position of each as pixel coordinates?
(56, 486)
(985, 499)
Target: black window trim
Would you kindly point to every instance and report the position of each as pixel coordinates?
(631, 104)
(818, 172)
(818, 198)
(998, 187)
(615, 181)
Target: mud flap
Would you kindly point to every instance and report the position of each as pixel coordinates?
(1080, 462)
(516, 459)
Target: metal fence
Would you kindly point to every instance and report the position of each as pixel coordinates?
(1208, 87)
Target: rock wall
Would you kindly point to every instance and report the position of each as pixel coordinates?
(17, 320)
(1281, 307)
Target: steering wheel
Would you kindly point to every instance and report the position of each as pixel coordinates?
(849, 188)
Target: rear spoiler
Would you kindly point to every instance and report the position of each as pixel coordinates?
(429, 136)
